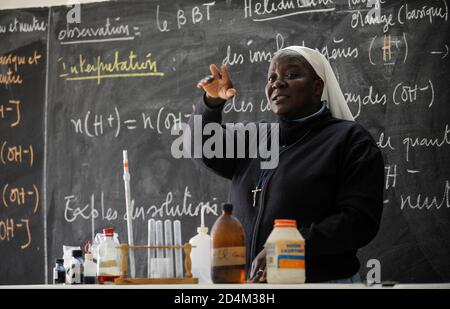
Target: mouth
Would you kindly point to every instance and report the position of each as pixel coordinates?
(279, 98)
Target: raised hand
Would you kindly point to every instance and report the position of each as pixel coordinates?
(217, 86)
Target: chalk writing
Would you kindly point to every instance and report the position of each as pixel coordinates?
(403, 93)
(20, 196)
(111, 30)
(359, 19)
(385, 50)
(335, 50)
(128, 66)
(77, 210)
(352, 4)
(241, 107)
(409, 94)
(443, 52)
(384, 142)
(8, 229)
(390, 176)
(246, 106)
(426, 142)
(421, 202)
(284, 8)
(11, 108)
(197, 14)
(437, 10)
(370, 98)
(73, 211)
(429, 12)
(173, 209)
(94, 125)
(19, 25)
(252, 56)
(16, 154)
(339, 52)
(12, 77)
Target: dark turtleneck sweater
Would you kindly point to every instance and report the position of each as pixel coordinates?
(289, 128)
(329, 178)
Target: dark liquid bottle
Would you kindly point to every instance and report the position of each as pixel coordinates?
(228, 249)
(59, 273)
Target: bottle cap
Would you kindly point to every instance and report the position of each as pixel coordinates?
(227, 207)
(77, 253)
(59, 261)
(285, 223)
(108, 231)
(202, 230)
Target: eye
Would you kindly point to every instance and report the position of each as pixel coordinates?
(291, 75)
(272, 78)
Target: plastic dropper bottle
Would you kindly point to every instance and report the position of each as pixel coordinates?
(201, 251)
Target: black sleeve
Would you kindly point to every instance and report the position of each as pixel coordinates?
(224, 167)
(357, 215)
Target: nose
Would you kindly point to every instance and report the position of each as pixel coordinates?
(278, 84)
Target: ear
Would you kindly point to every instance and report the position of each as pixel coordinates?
(318, 87)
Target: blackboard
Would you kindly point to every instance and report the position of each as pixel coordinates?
(393, 72)
(22, 100)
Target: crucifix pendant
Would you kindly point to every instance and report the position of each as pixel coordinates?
(255, 192)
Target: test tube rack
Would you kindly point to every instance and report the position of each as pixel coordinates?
(187, 279)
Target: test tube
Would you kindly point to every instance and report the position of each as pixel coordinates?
(159, 251)
(154, 268)
(169, 242)
(151, 254)
(178, 251)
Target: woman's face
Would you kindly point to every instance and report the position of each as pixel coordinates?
(293, 89)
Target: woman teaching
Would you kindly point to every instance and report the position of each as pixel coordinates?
(330, 173)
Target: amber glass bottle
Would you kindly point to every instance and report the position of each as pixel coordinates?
(228, 248)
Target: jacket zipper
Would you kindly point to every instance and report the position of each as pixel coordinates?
(261, 200)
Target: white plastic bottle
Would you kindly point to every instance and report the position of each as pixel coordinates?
(90, 269)
(285, 257)
(108, 264)
(201, 251)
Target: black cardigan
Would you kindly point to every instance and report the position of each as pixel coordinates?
(329, 180)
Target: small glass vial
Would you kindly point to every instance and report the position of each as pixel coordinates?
(59, 273)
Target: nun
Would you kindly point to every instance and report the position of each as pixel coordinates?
(330, 173)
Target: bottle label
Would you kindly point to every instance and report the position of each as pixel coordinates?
(286, 255)
(75, 273)
(228, 256)
(108, 268)
(109, 263)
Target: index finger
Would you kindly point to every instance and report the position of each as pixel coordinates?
(214, 70)
(225, 73)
